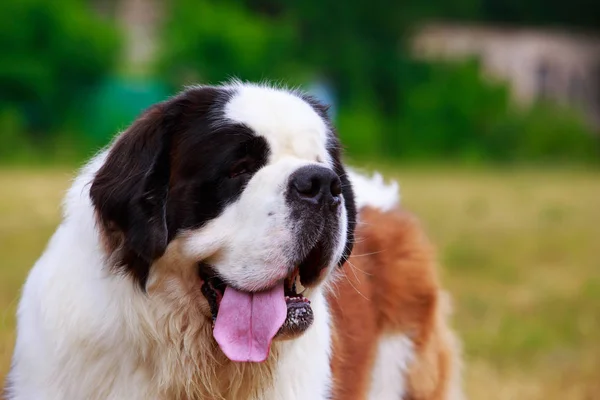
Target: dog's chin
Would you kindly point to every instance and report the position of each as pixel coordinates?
(309, 273)
(246, 320)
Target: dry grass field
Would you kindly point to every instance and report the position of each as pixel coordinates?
(520, 251)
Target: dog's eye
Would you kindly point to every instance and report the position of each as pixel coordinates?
(241, 167)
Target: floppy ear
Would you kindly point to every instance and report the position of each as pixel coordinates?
(130, 190)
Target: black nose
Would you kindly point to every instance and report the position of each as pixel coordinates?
(316, 185)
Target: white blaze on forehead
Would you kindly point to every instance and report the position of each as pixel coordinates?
(290, 125)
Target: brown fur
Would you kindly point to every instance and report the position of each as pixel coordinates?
(182, 357)
(390, 286)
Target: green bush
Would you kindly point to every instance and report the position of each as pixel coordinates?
(553, 134)
(210, 42)
(57, 57)
(450, 112)
(53, 54)
(361, 129)
(13, 144)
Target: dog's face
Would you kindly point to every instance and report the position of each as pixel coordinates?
(248, 181)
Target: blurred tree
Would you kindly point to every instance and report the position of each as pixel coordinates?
(212, 41)
(52, 52)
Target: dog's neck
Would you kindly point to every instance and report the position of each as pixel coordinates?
(193, 367)
(185, 360)
(187, 363)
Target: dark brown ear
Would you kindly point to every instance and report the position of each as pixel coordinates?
(130, 190)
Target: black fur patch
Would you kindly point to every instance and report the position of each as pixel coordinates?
(172, 170)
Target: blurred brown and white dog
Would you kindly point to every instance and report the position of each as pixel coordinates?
(206, 254)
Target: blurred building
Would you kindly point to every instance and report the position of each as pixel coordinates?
(562, 66)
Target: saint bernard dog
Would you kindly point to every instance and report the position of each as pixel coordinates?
(220, 249)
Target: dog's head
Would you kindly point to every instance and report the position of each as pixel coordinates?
(247, 183)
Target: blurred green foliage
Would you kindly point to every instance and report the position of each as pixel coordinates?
(389, 104)
(451, 112)
(57, 76)
(211, 41)
(53, 54)
(116, 103)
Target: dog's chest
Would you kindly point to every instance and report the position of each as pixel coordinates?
(303, 369)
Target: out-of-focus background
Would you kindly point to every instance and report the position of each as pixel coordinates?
(486, 111)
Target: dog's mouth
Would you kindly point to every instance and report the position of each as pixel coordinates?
(245, 323)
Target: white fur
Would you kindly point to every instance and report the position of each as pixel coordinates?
(72, 340)
(304, 373)
(374, 192)
(290, 125)
(394, 355)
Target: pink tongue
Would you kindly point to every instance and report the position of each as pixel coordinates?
(247, 322)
